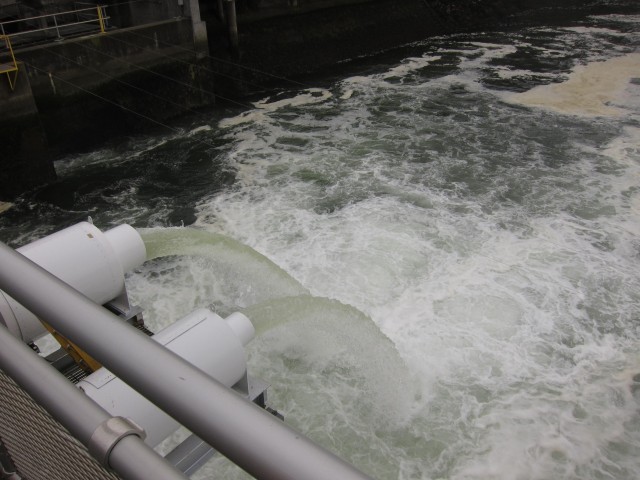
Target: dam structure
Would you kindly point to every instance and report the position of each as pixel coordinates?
(74, 75)
(436, 243)
(82, 74)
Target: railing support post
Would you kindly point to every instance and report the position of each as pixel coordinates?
(131, 458)
(232, 24)
(8, 69)
(55, 22)
(101, 18)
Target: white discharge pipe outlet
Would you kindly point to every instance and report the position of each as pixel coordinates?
(252, 438)
(92, 262)
(205, 340)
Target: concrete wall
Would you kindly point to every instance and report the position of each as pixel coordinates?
(149, 70)
(140, 13)
(24, 160)
(293, 39)
(308, 40)
(299, 38)
(83, 91)
(97, 59)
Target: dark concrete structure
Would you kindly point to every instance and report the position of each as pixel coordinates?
(77, 92)
(300, 37)
(23, 146)
(88, 89)
(158, 60)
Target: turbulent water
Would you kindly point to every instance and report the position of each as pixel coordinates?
(439, 250)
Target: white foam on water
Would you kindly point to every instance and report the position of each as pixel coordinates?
(75, 162)
(492, 257)
(310, 96)
(244, 117)
(507, 73)
(200, 129)
(136, 148)
(593, 90)
(494, 50)
(635, 19)
(307, 97)
(595, 30)
(410, 65)
(476, 56)
(152, 145)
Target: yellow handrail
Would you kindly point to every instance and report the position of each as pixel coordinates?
(101, 18)
(11, 67)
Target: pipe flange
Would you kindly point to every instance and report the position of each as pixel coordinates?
(107, 435)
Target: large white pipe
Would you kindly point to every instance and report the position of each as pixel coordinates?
(252, 438)
(202, 338)
(92, 262)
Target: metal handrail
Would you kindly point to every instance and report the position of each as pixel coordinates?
(100, 12)
(12, 66)
(130, 457)
(250, 437)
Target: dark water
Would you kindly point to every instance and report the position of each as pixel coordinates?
(442, 249)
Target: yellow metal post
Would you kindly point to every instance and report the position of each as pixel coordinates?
(101, 18)
(10, 68)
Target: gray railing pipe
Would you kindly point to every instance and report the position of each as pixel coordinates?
(130, 458)
(250, 437)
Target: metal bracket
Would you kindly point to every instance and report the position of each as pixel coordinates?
(106, 436)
